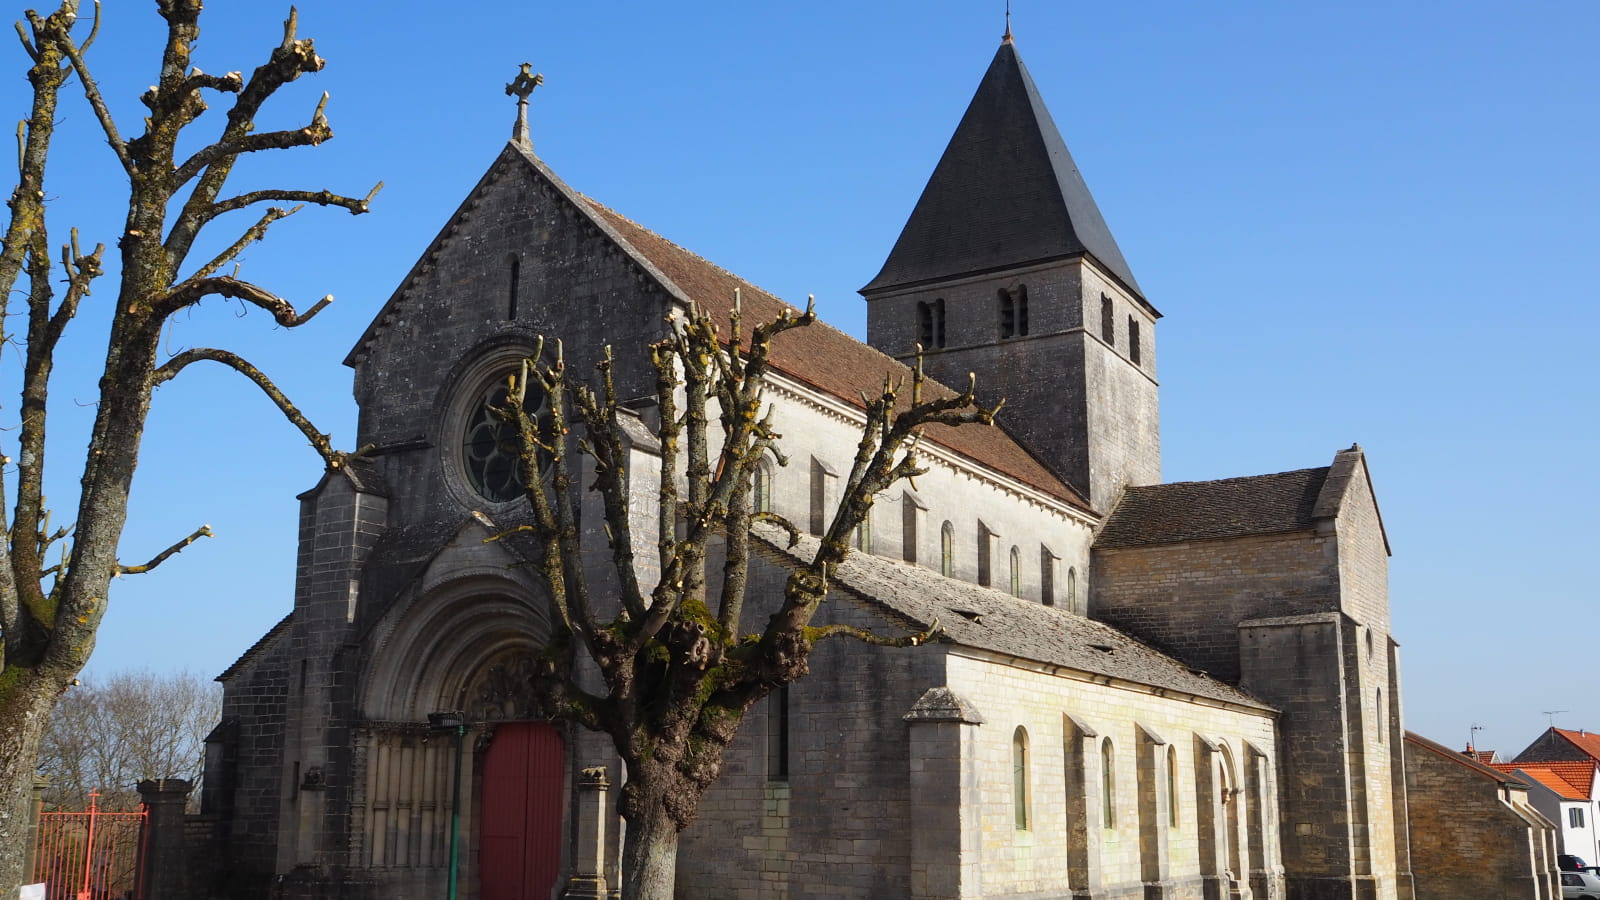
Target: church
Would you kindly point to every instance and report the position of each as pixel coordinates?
(1142, 689)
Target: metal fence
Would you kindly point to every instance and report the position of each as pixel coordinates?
(90, 855)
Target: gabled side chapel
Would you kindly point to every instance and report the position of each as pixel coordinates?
(1144, 690)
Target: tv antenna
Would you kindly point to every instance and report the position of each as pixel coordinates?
(1472, 736)
(1551, 714)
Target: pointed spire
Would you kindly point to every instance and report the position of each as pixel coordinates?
(1006, 38)
(1005, 194)
(520, 87)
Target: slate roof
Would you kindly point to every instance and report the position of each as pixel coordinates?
(1208, 510)
(1005, 193)
(987, 619)
(825, 358)
(266, 641)
(1502, 776)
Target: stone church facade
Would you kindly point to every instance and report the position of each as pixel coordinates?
(1144, 690)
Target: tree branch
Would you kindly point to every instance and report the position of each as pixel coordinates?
(319, 441)
(230, 148)
(252, 234)
(91, 90)
(355, 205)
(163, 556)
(877, 640)
(196, 289)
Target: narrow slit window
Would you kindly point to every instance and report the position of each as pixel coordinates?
(908, 529)
(1108, 785)
(1108, 321)
(1016, 572)
(924, 323)
(1172, 786)
(1019, 777)
(1133, 340)
(819, 496)
(947, 550)
(1047, 576)
(1378, 703)
(1072, 589)
(511, 293)
(864, 532)
(985, 563)
(763, 489)
(778, 734)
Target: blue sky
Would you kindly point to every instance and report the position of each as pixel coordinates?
(1365, 223)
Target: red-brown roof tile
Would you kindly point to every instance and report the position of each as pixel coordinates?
(826, 358)
(1570, 780)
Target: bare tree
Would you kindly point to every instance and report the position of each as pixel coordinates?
(109, 736)
(679, 668)
(54, 581)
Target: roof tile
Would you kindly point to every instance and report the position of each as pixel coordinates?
(826, 358)
(1208, 510)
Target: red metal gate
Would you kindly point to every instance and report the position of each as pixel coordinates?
(519, 852)
(91, 855)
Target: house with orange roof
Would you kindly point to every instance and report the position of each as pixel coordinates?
(1562, 765)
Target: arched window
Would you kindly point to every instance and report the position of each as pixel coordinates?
(930, 324)
(1016, 572)
(1072, 589)
(947, 550)
(762, 500)
(1014, 311)
(1108, 785)
(985, 555)
(1172, 786)
(511, 294)
(908, 527)
(1378, 709)
(1047, 576)
(1019, 776)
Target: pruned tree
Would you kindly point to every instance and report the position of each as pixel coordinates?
(54, 581)
(680, 668)
(109, 735)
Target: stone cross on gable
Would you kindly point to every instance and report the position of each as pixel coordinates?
(520, 87)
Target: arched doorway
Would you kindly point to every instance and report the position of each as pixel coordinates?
(519, 826)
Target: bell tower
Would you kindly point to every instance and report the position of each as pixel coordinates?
(1006, 269)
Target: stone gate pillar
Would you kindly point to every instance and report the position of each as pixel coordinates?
(588, 881)
(36, 806)
(165, 873)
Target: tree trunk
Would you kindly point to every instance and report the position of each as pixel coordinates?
(25, 708)
(650, 856)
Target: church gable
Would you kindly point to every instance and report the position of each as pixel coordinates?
(522, 258)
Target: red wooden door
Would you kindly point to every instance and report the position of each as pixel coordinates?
(519, 853)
